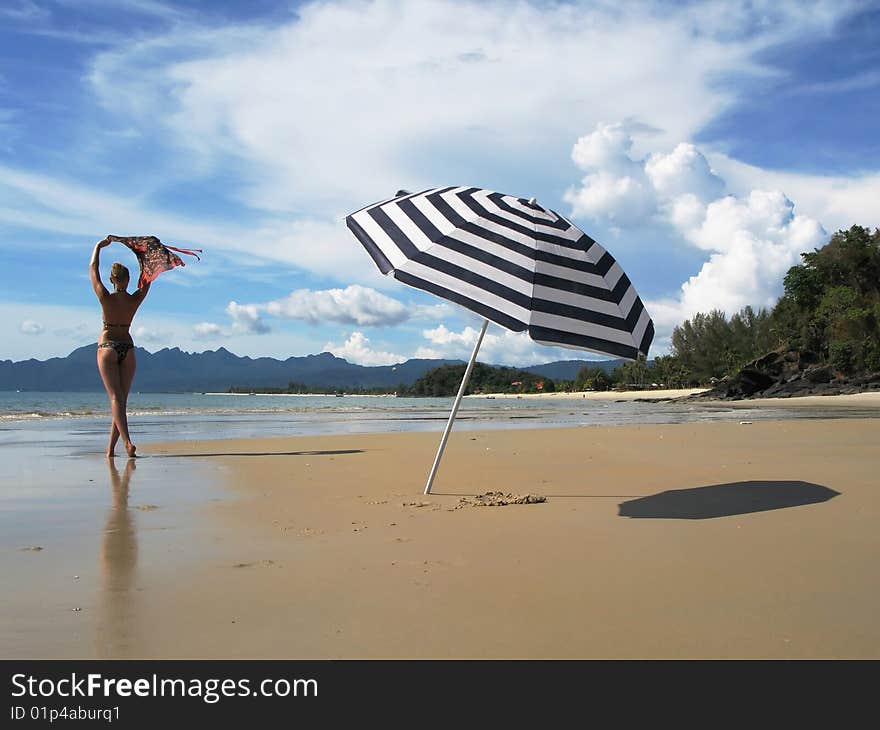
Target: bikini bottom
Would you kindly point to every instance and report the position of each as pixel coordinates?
(121, 348)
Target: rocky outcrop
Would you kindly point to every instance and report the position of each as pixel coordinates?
(786, 374)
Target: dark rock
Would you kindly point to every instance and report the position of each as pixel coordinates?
(750, 381)
(771, 364)
(818, 374)
(785, 374)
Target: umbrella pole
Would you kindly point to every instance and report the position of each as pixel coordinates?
(461, 389)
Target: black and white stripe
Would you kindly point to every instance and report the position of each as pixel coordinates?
(511, 261)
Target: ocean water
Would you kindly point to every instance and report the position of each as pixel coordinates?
(78, 423)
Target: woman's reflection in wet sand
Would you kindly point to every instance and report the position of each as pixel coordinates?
(117, 563)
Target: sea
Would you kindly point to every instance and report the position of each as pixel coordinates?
(78, 423)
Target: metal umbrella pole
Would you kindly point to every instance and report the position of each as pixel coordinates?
(461, 389)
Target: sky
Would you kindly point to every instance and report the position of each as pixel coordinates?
(704, 144)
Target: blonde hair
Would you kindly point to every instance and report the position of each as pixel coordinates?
(118, 272)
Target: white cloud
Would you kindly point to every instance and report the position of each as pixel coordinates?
(434, 312)
(480, 77)
(29, 327)
(71, 326)
(838, 201)
(499, 346)
(148, 334)
(270, 106)
(623, 191)
(246, 319)
(684, 171)
(208, 331)
(353, 305)
(320, 246)
(356, 349)
(751, 240)
(23, 10)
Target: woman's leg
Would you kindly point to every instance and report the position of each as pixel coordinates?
(114, 437)
(111, 375)
(126, 376)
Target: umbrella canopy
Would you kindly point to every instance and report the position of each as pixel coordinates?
(514, 262)
(510, 260)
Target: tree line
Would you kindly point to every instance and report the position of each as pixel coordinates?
(830, 307)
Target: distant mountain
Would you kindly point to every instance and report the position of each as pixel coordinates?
(172, 370)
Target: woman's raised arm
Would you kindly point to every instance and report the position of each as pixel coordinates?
(95, 270)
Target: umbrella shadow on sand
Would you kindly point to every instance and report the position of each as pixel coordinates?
(725, 500)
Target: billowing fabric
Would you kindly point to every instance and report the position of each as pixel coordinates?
(153, 255)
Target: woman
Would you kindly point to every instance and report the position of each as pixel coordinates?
(116, 358)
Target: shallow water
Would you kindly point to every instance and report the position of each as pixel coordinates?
(77, 423)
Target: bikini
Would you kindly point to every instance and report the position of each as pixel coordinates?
(121, 348)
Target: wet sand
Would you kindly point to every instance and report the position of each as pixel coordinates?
(697, 540)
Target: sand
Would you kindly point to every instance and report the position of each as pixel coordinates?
(339, 555)
(325, 547)
(868, 399)
(597, 395)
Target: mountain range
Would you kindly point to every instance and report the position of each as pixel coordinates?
(172, 370)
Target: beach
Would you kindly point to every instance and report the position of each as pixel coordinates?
(727, 538)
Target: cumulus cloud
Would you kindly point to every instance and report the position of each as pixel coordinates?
(499, 346)
(208, 331)
(615, 188)
(752, 243)
(750, 240)
(623, 191)
(356, 349)
(684, 171)
(246, 319)
(148, 335)
(353, 305)
(29, 327)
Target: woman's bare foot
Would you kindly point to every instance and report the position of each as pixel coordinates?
(111, 454)
(130, 449)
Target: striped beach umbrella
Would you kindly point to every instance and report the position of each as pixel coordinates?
(512, 261)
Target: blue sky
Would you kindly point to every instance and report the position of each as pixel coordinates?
(704, 144)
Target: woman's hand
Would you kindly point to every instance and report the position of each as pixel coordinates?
(104, 242)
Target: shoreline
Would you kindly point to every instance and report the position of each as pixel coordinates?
(600, 395)
(865, 399)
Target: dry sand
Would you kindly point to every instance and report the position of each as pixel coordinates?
(868, 399)
(599, 395)
(330, 550)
